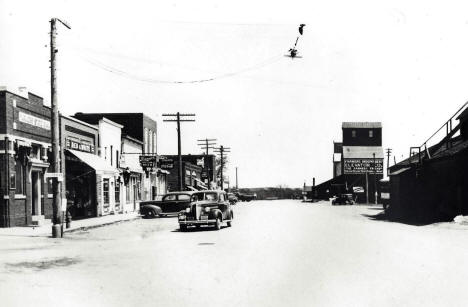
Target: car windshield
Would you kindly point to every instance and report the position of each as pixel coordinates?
(204, 196)
(211, 196)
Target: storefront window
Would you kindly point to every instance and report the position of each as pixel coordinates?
(105, 189)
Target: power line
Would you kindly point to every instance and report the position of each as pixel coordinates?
(132, 76)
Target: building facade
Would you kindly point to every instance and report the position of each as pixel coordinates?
(25, 143)
(79, 141)
(136, 128)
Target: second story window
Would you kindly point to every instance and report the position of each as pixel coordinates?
(353, 133)
(371, 133)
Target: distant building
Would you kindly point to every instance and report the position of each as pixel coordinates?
(357, 162)
(199, 171)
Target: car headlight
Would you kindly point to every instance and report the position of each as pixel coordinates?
(187, 210)
(207, 209)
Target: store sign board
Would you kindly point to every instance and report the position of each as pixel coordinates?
(148, 161)
(33, 121)
(80, 146)
(166, 163)
(361, 166)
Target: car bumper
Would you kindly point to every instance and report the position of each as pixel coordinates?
(196, 222)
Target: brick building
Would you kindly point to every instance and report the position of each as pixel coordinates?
(25, 142)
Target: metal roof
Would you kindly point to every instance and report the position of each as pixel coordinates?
(362, 125)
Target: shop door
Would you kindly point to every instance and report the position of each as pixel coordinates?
(36, 193)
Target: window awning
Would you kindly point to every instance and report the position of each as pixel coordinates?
(97, 163)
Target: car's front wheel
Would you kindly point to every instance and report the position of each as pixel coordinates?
(183, 227)
(229, 224)
(149, 214)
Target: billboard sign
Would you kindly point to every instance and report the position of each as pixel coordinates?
(362, 166)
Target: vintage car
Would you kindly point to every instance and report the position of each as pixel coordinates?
(232, 198)
(170, 204)
(207, 208)
(246, 197)
(343, 199)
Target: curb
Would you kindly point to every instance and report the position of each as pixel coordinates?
(83, 228)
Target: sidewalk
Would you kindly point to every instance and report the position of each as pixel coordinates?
(46, 230)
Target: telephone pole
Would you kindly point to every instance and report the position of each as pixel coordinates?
(177, 118)
(207, 144)
(222, 150)
(389, 151)
(237, 186)
(57, 231)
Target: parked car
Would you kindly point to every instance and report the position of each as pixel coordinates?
(246, 197)
(232, 198)
(207, 208)
(343, 199)
(170, 204)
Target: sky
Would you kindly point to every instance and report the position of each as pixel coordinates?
(403, 63)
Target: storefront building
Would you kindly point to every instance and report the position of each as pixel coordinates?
(132, 173)
(25, 142)
(80, 163)
(140, 128)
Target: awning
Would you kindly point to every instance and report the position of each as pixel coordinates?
(191, 188)
(201, 184)
(97, 163)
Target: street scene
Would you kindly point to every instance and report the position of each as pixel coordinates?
(246, 153)
(276, 253)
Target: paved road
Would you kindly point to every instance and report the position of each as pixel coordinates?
(278, 253)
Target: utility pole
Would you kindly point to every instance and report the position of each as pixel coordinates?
(57, 230)
(222, 150)
(375, 184)
(207, 144)
(389, 151)
(177, 118)
(237, 186)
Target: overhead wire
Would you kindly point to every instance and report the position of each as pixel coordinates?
(129, 75)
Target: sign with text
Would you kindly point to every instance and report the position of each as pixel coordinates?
(33, 121)
(166, 163)
(148, 161)
(80, 146)
(361, 166)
